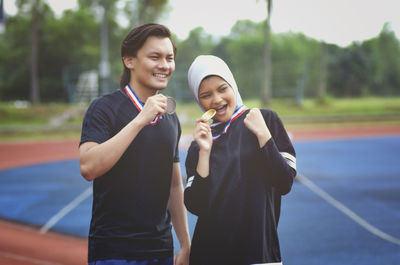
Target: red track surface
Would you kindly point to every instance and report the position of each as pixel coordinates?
(29, 153)
(23, 245)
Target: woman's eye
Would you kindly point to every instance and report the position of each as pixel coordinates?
(222, 89)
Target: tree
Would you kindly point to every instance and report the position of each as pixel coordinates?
(322, 73)
(145, 11)
(36, 12)
(198, 42)
(388, 61)
(296, 65)
(244, 47)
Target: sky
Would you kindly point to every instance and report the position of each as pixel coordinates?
(340, 21)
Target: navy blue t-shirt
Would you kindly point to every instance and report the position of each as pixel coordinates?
(130, 218)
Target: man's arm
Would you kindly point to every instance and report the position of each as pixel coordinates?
(96, 159)
(179, 217)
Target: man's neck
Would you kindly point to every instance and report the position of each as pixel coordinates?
(142, 92)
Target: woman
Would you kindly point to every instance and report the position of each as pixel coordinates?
(238, 167)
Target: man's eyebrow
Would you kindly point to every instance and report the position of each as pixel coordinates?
(160, 53)
(154, 52)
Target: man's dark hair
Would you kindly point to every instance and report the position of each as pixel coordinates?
(135, 40)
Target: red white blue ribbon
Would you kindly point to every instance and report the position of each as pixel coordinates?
(138, 104)
(239, 111)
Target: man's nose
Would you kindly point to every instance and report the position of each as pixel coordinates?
(163, 64)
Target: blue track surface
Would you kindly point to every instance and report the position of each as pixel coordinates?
(361, 175)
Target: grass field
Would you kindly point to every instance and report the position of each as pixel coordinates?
(20, 121)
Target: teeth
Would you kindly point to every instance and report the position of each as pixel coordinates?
(160, 75)
(220, 108)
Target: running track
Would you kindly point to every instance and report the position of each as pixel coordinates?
(360, 232)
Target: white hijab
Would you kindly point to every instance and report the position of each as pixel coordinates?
(206, 65)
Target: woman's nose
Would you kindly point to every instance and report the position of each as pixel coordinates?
(217, 98)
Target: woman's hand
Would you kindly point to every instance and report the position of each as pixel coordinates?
(254, 121)
(202, 135)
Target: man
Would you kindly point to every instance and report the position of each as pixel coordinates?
(129, 147)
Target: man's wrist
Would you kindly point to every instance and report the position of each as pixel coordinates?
(138, 122)
(185, 246)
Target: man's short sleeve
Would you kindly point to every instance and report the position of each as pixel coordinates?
(96, 126)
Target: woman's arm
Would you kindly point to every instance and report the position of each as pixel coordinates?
(203, 137)
(198, 169)
(254, 121)
(280, 160)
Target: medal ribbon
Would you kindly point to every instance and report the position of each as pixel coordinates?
(239, 111)
(138, 104)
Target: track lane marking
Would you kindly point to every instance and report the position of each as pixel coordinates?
(64, 211)
(338, 205)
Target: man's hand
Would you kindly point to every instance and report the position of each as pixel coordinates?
(155, 106)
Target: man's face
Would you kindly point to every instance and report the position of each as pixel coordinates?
(154, 64)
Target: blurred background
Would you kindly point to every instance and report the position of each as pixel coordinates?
(311, 61)
(330, 69)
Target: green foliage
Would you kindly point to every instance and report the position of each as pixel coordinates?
(246, 44)
(198, 42)
(13, 114)
(301, 66)
(145, 11)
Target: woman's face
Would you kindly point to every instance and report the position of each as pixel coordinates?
(216, 93)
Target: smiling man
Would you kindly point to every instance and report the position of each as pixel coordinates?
(129, 148)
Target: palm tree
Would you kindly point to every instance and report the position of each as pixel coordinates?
(266, 90)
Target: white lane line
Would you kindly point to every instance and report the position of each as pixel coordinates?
(64, 211)
(346, 210)
(26, 259)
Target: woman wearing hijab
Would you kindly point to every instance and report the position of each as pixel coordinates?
(238, 168)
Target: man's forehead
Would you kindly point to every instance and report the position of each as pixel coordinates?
(158, 44)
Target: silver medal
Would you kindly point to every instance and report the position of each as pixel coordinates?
(171, 105)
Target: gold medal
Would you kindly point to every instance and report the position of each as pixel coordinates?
(209, 114)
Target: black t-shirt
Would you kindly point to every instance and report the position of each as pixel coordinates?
(238, 203)
(130, 218)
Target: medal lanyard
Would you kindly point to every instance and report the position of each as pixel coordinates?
(138, 104)
(239, 111)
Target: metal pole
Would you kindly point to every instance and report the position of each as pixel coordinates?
(35, 92)
(104, 67)
(2, 18)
